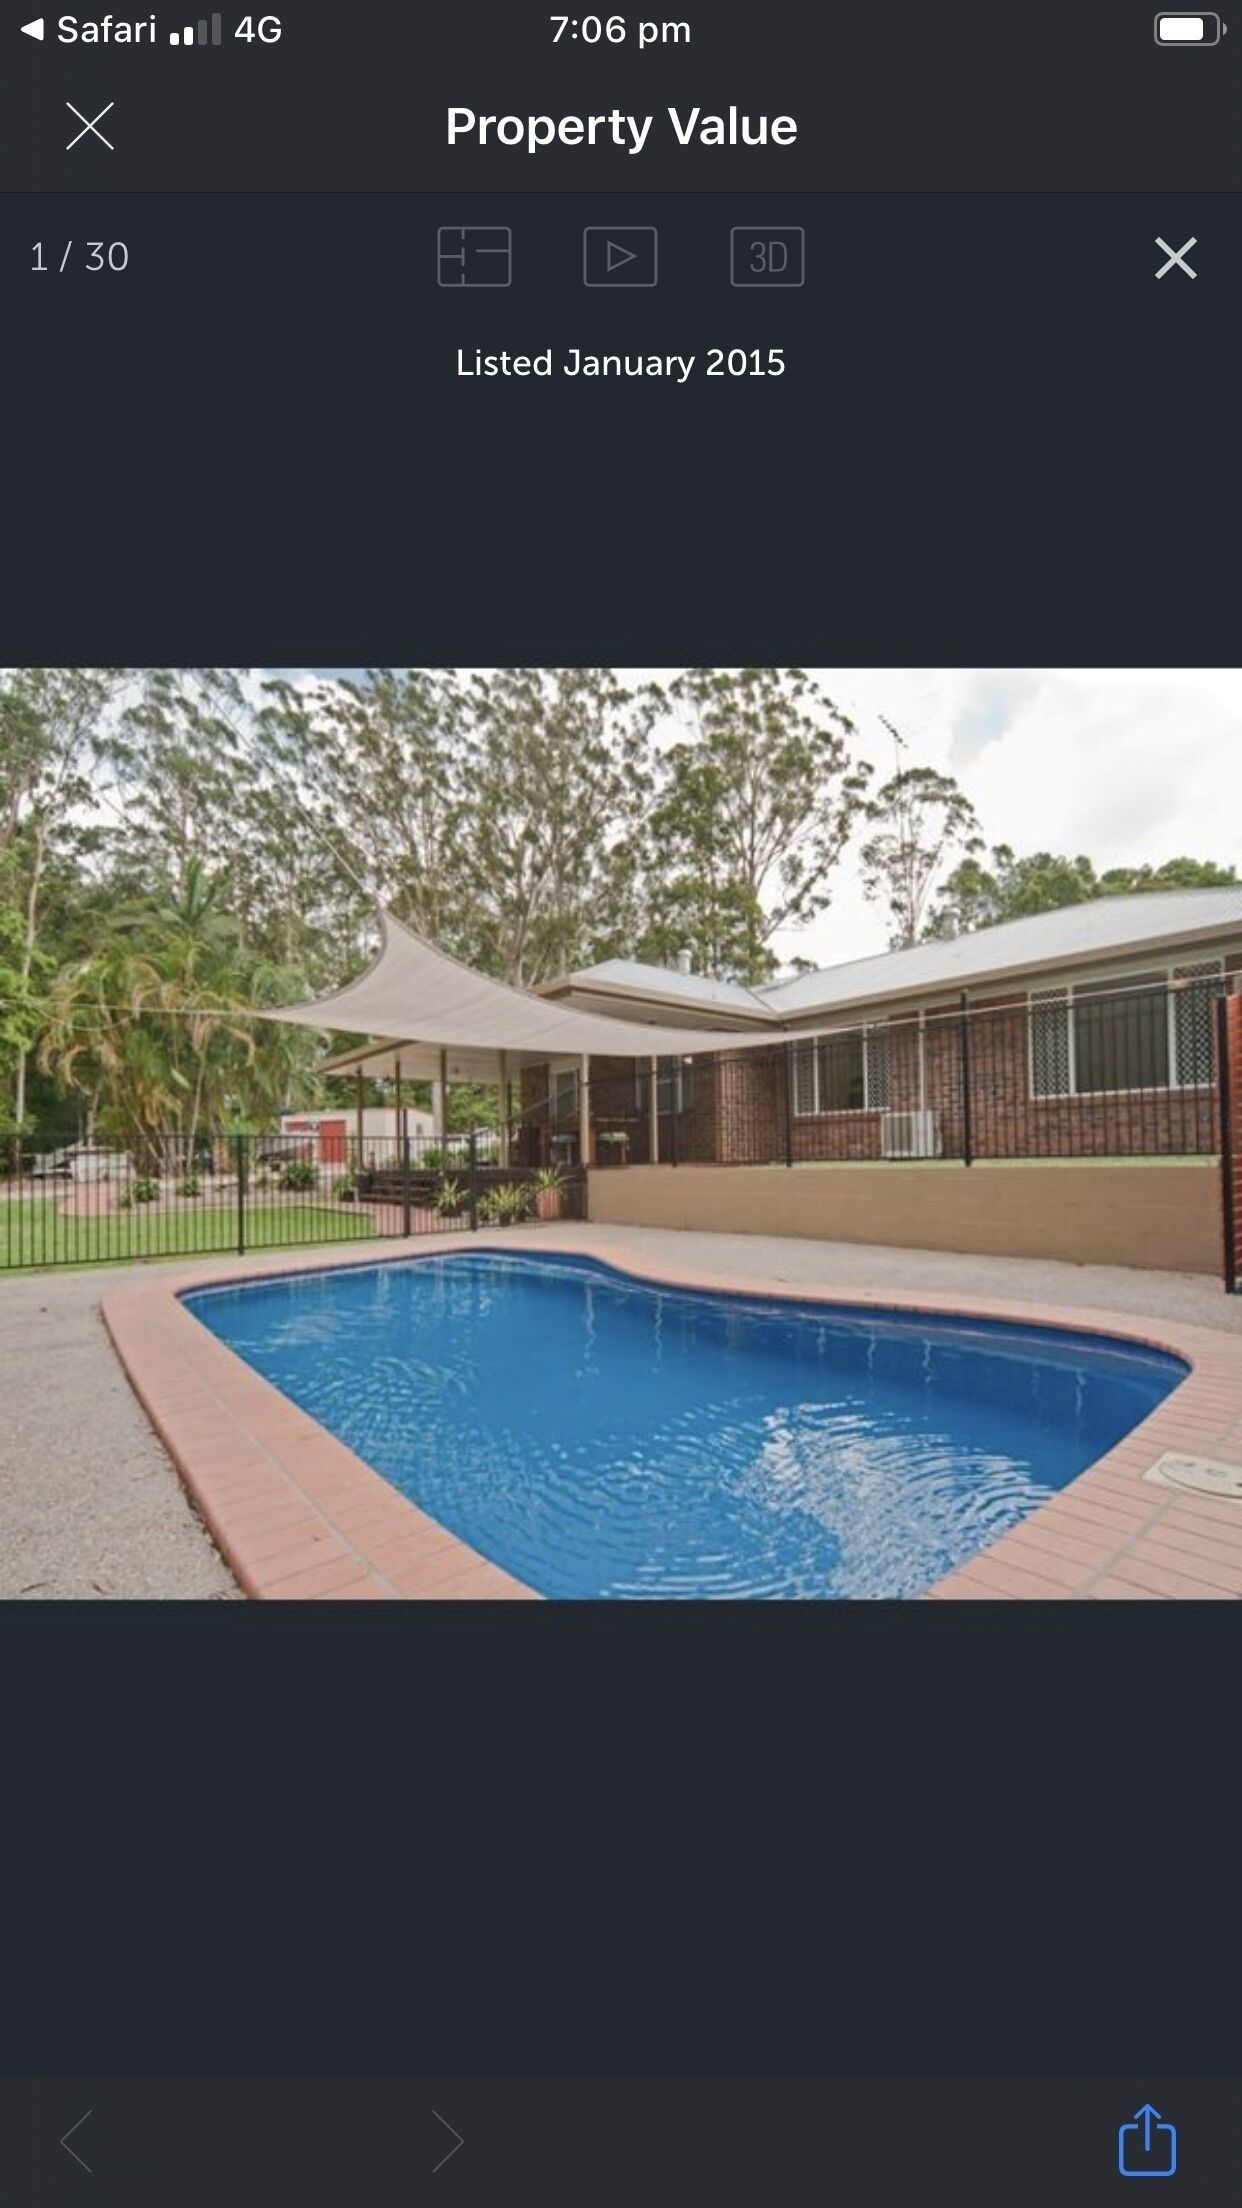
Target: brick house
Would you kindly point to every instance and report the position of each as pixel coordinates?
(1084, 1032)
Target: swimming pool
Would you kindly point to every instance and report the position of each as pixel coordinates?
(597, 1435)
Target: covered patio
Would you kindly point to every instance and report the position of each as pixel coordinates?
(575, 1089)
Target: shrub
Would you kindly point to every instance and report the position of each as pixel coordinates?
(344, 1191)
(507, 1205)
(300, 1175)
(146, 1189)
(432, 1157)
(190, 1186)
(449, 1199)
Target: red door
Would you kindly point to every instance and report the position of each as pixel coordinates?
(333, 1141)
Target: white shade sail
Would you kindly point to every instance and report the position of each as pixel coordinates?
(413, 993)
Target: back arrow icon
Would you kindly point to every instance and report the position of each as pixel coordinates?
(73, 2150)
(458, 2141)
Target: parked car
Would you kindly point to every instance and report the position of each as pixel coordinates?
(285, 1150)
(51, 1165)
(80, 1161)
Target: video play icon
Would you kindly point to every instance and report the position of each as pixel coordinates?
(620, 257)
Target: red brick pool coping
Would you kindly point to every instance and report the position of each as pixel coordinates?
(298, 1516)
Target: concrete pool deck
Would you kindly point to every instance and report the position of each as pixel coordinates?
(299, 1516)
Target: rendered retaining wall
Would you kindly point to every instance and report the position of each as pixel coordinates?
(1165, 1217)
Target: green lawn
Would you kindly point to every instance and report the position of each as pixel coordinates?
(33, 1233)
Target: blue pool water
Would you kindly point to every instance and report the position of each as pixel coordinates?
(600, 1436)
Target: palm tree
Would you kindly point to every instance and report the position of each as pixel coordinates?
(160, 1023)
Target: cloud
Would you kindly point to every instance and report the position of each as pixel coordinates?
(1128, 766)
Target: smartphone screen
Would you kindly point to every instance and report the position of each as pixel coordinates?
(620, 1102)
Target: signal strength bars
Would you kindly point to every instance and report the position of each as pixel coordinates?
(186, 37)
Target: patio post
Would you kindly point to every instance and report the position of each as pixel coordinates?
(789, 1082)
(655, 1112)
(506, 1132)
(1228, 1135)
(403, 1152)
(358, 1119)
(584, 1112)
(439, 1099)
(967, 1129)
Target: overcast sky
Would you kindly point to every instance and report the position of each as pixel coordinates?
(1125, 767)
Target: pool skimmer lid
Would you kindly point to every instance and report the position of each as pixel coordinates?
(1198, 1476)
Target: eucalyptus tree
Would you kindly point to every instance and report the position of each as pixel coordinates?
(366, 797)
(50, 729)
(918, 821)
(1012, 887)
(758, 796)
(557, 783)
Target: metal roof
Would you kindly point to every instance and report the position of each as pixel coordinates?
(1103, 927)
(633, 975)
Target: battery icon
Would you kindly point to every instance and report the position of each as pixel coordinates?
(1188, 30)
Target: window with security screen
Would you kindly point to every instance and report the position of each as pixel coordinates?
(1050, 1043)
(1196, 989)
(1150, 1031)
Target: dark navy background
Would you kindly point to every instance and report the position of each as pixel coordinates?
(889, 95)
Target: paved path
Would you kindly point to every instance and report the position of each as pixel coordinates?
(1194, 1298)
(89, 1504)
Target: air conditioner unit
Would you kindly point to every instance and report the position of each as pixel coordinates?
(910, 1135)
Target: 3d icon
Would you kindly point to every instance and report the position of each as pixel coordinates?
(1146, 2146)
(33, 30)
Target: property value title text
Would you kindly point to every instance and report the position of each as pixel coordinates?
(692, 126)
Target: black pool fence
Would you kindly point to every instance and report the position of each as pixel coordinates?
(67, 1200)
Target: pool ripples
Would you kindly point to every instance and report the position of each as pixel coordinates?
(598, 1436)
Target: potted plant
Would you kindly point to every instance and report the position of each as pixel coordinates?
(549, 1197)
(449, 1200)
(505, 1206)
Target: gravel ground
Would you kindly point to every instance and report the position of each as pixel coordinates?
(91, 1507)
(89, 1504)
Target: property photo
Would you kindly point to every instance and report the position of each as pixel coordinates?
(637, 1135)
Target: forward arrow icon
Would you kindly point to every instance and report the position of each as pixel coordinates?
(456, 2137)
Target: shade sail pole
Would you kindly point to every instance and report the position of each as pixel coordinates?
(441, 1098)
(655, 1111)
(505, 1136)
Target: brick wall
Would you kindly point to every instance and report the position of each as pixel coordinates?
(1006, 1120)
(738, 1114)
